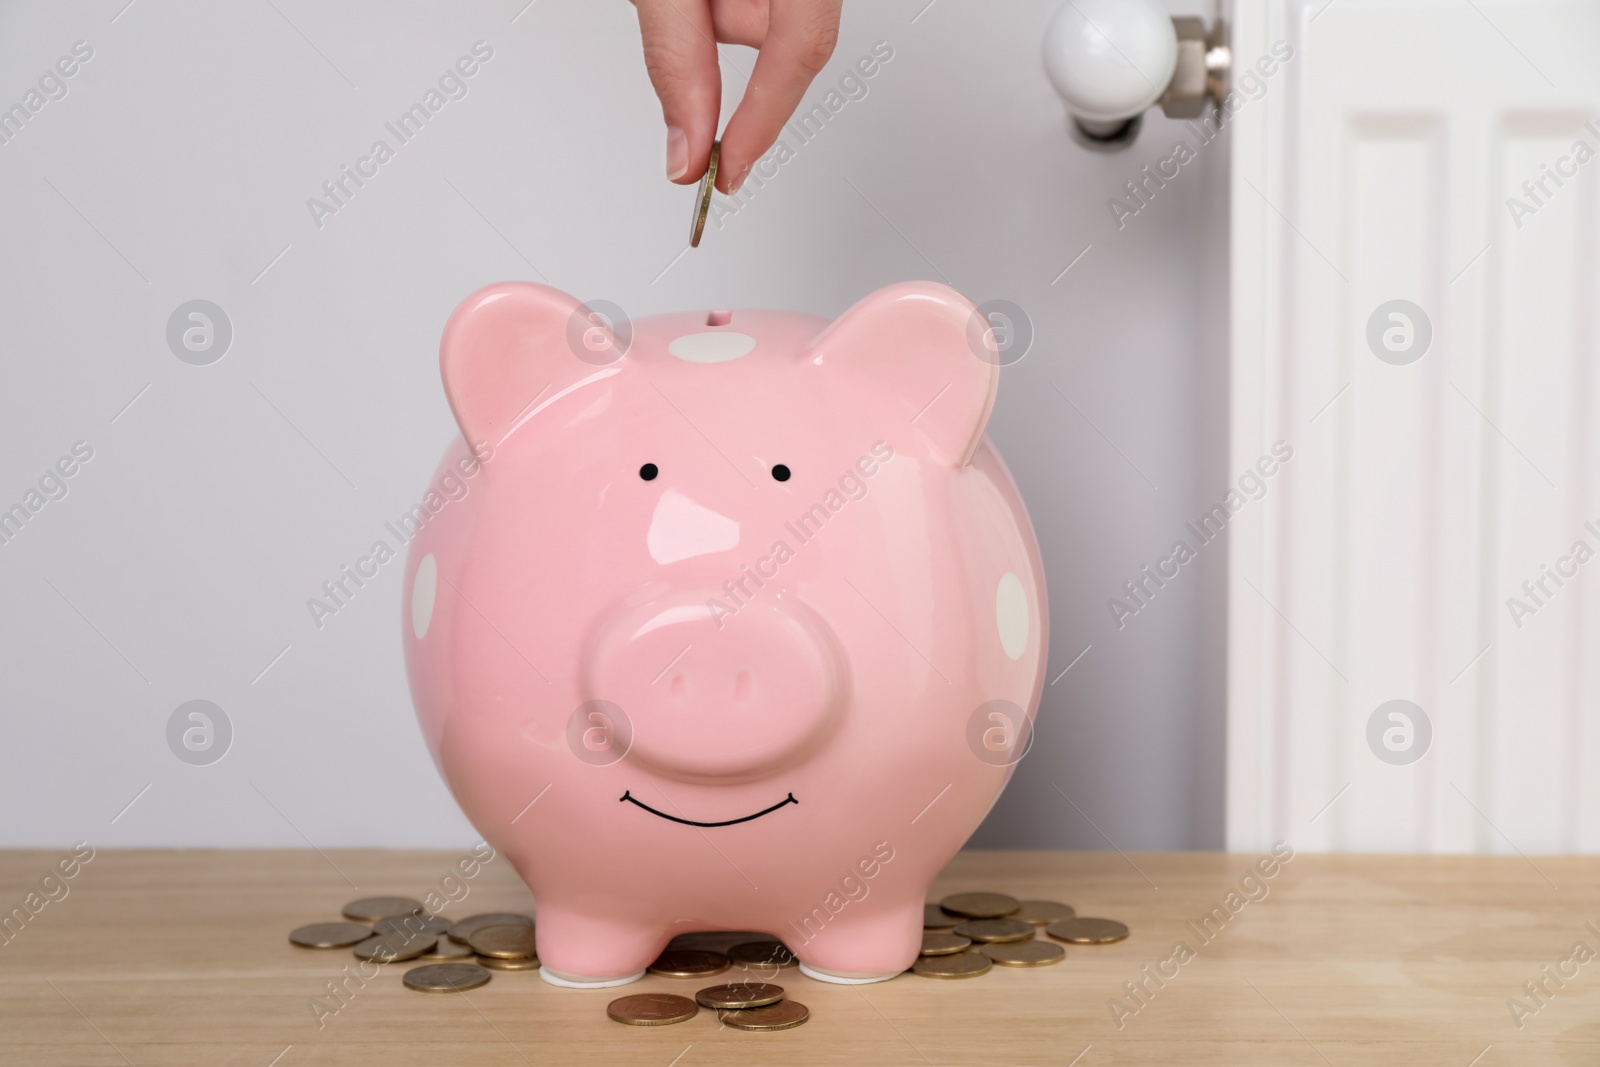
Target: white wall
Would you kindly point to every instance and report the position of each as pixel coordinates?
(180, 562)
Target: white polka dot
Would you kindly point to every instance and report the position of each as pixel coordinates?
(718, 347)
(1011, 615)
(423, 588)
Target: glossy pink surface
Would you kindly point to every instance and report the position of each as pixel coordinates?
(803, 667)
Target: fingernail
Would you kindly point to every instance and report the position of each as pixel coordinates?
(733, 186)
(677, 153)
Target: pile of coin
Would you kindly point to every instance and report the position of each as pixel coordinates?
(964, 935)
(755, 1006)
(1003, 930)
(752, 1003)
(457, 955)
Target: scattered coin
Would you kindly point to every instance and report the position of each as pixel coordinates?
(389, 948)
(446, 977)
(981, 905)
(446, 950)
(463, 929)
(652, 1009)
(330, 935)
(960, 965)
(505, 942)
(371, 909)
(991, 930)
(784, 1015)
(1043, 912)
(412, 924)
(1086, 931)
(739, 995)
(702, 198)
(763, 953)
(689, 963)
(936, 918)
(1025, 953)
(939, 943)
(506, 965)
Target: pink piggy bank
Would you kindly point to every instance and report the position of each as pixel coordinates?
(730, 621)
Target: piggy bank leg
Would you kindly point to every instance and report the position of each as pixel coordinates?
(588, 951)
(855, 949)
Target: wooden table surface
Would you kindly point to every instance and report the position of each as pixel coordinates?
(177, 958)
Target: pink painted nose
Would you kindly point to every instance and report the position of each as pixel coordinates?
(731, 702)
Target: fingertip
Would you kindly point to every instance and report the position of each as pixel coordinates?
(730, 174)
(677, 153)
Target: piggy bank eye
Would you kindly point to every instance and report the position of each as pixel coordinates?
(649, 471)
(780, 472)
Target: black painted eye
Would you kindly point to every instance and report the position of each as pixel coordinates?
(649, 471)
(781, 473)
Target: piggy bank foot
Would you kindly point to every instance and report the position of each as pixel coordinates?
(575, 982)
(584, 951)
(860, 949)
(845, 979)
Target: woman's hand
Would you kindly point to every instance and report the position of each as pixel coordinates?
(793, 39)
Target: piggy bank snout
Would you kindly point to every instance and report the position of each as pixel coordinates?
(717, 695)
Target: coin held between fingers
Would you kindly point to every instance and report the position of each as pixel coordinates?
(702, 197)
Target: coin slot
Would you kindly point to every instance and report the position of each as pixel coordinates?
(719, 318)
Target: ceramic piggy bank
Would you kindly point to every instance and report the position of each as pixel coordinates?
(734, 620)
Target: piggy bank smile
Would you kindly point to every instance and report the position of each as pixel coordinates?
(630, 798)
(713, 633)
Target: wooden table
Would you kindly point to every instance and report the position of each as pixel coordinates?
(177, 958)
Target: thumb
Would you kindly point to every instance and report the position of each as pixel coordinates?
(681, 56)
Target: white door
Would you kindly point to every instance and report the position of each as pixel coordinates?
(1415, 302)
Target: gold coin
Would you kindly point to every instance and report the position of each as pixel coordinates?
(689, 963)
(702, 198)
(991, 930)
(413, 924)
(505, 942)
(330, 935)
(389, 948)
(784, 1015)
(463, 929)
(980, 905)
(1086, 931)
(939, 943)
(936, 918)
(652, 1009)
(446, 950)
(506, 965)
(961, 965)
(739, 995)
(1025, 953)
(371, 909)
(446, 977)
(763, 953)
(1043, 912)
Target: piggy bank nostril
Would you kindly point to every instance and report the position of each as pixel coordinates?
(677, 687)
(742, 687)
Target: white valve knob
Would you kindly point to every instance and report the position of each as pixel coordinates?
(1110, 59)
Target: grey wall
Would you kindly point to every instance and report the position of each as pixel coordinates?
(179, 563)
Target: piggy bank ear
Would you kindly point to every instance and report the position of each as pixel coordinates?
(921, 352)
(509, 345)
